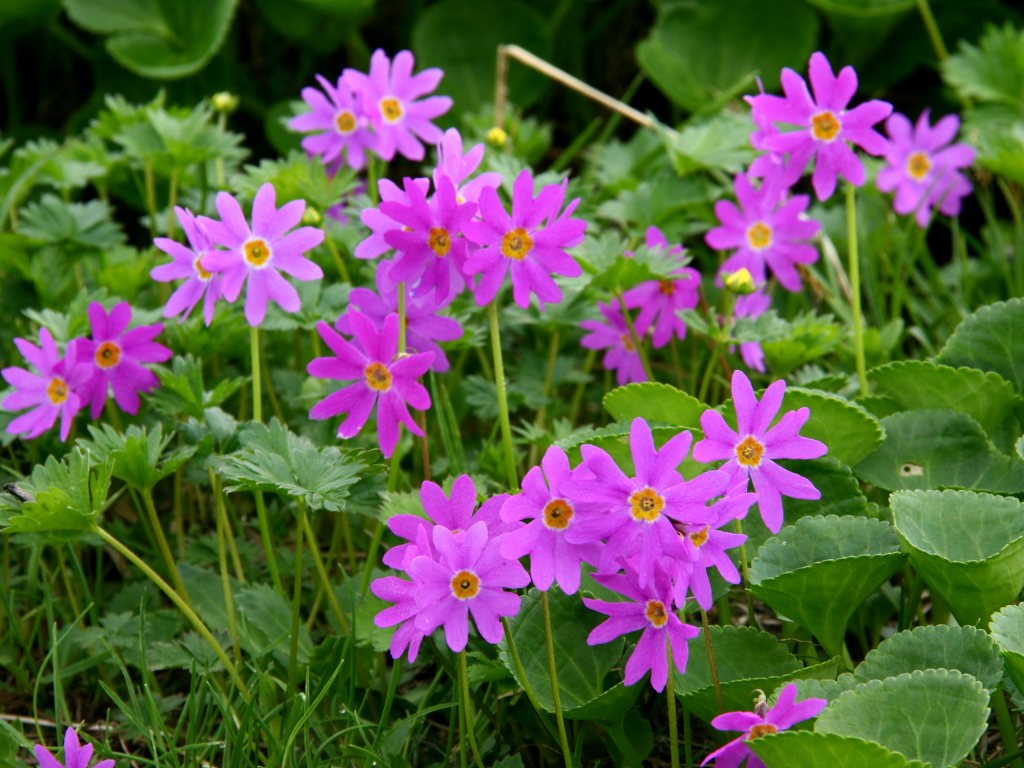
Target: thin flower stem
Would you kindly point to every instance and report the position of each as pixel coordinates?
(224, 532)
(293, 649)
(499, 382)
(711, 660)
(752, 620)
(149, 179)
(401, 319)
(321, 572)
(162, 544)
(858, 328)
(517, 662)
(339, 262)
(389, 698)
(934, 34)
(673, 726)
(1007, 729)
(468, 709)
(257, 416)
(172, 200)
(687, 738)
(257, 385)
(556, 694)
(549, 379)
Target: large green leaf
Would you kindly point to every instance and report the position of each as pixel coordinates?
(939, 447)
(68, 495)
(849, 431)
(582, 669)
(968, 546)
(654, 402)
(990, 340)
(808, 749)
(138, 454)
(913, 384)
(1007, 628)
(819, 570)
(934, 715)
(991, 71)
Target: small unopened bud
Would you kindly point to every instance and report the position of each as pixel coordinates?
(740, 282)
(760, 703)
(225, 102)
(312, 216)
(497, 137)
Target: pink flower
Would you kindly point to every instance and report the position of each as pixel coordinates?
(660, 301)
(75, 755)
(188, 264)
(340, 123)
(261, 252)
(786, 713)
(380, 224)
(530, 243)
(52, 392)
(621, 355)
(826, 127)
(750, 451)
(458, 167)
(392, 98)
(753, 305)
(706, 545)
(117, 356)
(379, 379)
(924, 168)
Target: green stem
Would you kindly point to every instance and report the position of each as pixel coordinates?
(389, 698)
(150, 183)
(752, 620)
(640, 349)
(223, 533)
(321, 572)
(858, 328)
(517, 662)
(1007, 729)
(673, 726)
(934, 34)
(339, 263)
(257, 385)
(711, 660)
(468, 709)
(556, 694)
(172, 200)
(162, 545)
(499, 382)
(257, 416)
(401, 319)
(293, 650)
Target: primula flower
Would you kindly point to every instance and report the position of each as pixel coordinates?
(340, 123)
(375, 244)
(649, 608)
(117, 355)
(261, 252)
(827, 128)
(392, 98)
(660, 301)
(75, 755)
(458, 167)
(764, 720)
(924, 168)
(530, 243)
(50, 393)
(188, 264)
(379, 378)
(750, 452)
(767, 229)
(621, 355)
(706, 546)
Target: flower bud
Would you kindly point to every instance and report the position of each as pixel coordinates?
(225, 102)
(497, 137)
(740, 282)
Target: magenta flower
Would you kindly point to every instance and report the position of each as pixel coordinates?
(530, 243)
(392, 98)
(768, 229)
(621, 354)
(188, 264)
(924, 168)
(827, 129)
(750, 451)
(660, 301)
(261, 252)
(375, 244)
(786, 713)
(469, 576)
(649, 608)
(75, 755)
(339, 121)
(117, 357)
(753, 305)
(706, 546)
(546, 504)
(458, 167)
(52, 392)
(379, 379)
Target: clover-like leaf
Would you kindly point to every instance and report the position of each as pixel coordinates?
(655, 402)
(969, 547)
(819, 570)
(991, 71)
(63, 495)
(990, 340)
(53, 221)
(933, 715)
(1007, 628)
(808, 749)
(138, 455)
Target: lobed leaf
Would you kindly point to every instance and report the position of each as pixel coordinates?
(655, 402)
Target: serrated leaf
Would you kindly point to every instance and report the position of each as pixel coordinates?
(807, 749)
(654, 402)
(657, 201)
(55, 222)
(810, 338)
(720, 142)
(265, 622)
(990, 340)
(181, 390)
(969, 547)
(297, 176)
(170, 139)
(1007, 628)
(69, 495)
(849, 431)
(137, 456)
(993, 70)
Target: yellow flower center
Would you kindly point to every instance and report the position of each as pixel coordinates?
(345, 122)
(759, 236)
(656, 613)
(204, 274)
(440, 241)
(918, 165)
(378, 377)
(558, 514)
(465, 585)
(516, 244)
(762, 729)
(646, 504)
(57, 391)
(667, 287)
(108, 355)
(825, 126)
(749, 452)
(257, 252)
(392, 109)
(700, 538)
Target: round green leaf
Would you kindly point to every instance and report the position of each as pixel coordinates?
(1007, 628)
(849, 431)
(933, 448)
(990, 340)
(934, 715)
(808, 749)
(968, 546)
(654, 402)
(819, 570)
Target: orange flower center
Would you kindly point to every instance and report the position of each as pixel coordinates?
(749, 452)
(465, 585)
(656, 613)
(378, 377)
(345, 122)
(762, 729)
(440, 241)
(204, 274)
(825, 126)
(108, 355)
(516, 244)
(759, 236)
(392, 109)
(627, 342)
(257, 252)
(57, 391)
(558, 514)
(918, 165)
(700, 538)
(646, 504)
(667, 287)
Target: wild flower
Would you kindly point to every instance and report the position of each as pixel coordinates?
(750, 451)
(261, 252)
(660, 301)
(200, 282)
(76, 755)
(458, 167)
(614, 336)
(341, 128)
(924, 167)
(375, 244)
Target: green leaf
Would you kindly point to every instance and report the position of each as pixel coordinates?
(934, 715)
(932, 448)
(849, 431)
(993, 70)
(628, 269)
(581, 669)
(175, 138)
(990, 340)
(864, 8)
(819, 570)
(137, 455)
(807, 749)
(810, 338)
(181, 390)
(52, 221)
(1007, 628)
(265, 624)
(720, 142)
(297, 177)
(968, 546)
(654, 402)
(996, 131)
(657, 201)
(69, 495)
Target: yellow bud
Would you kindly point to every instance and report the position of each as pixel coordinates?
(312, 216)
(497, 137)
(740, 281)
(225, 102)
